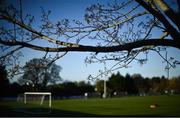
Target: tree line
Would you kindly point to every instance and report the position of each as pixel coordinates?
(136, 84)
(63, 89)
(117, 85)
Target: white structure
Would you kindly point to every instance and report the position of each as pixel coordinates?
(104, 94)
(38, 93)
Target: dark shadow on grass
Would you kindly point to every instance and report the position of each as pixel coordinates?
(57, 113)
(7, 112)
(53, 113)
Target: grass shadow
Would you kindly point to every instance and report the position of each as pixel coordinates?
(6, 112)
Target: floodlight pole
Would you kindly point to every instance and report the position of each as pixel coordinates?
(167, 66)
(104, 95)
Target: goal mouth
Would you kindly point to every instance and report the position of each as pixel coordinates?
(34, 103)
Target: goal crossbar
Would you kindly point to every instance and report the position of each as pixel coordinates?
(38, 93)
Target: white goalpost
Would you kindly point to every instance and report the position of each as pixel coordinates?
(38, 93)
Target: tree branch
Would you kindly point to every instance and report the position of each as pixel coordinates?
(169, 12)
(124, 47)
(11, 52)
(108, 26)
(172, 31)
(13, 20)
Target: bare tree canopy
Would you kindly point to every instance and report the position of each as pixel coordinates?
(121, 30)
(39, 73)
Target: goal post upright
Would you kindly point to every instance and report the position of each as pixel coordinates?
(50, 100)
(24, 98)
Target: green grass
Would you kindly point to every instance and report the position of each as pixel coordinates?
(124, 106)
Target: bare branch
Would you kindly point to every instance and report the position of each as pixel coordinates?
(129, 60)
(127, 46)
(11, 52)
(169, 12)
(163, 58)
(106, 27)
(13, 20)
(172, 31)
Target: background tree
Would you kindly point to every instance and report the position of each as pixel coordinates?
(131, 87)
(163, 85)
(69, 89)
(147, 85)
(154, 84)
(100, 87)
(85, 87)
(39, 72)
(4, 82)
(16, 89)
(174, 84)
(139, 82)
(117, 83)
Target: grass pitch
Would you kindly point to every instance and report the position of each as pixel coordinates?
(124, 106)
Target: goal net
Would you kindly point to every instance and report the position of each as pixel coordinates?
(34, 102)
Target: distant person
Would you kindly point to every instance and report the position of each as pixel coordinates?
(86, 95)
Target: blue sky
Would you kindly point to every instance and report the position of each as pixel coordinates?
(74, 68)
